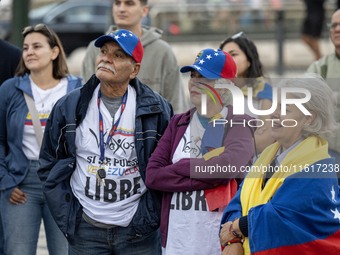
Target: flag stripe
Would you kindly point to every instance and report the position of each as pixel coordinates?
(327, 246)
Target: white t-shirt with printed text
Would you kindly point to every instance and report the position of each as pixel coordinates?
(117, 201)
(193, 229)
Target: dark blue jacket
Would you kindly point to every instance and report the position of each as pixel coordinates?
(58, 154)
(13, 112)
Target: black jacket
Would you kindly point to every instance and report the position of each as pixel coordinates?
(58, 154)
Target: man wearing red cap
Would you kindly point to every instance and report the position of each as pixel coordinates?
(159, 68)
(96, 147)
(197, 164)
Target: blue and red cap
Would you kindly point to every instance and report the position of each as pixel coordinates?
(213, 64)
(127, 40)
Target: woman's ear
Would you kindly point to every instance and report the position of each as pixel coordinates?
(225, 95)
(55, 52)
(222, 91)
(310, 118)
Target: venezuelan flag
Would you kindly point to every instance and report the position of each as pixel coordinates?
(301, 218)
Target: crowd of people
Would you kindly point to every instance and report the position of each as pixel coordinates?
(116, 162)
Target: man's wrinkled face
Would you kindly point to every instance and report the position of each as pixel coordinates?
(113, 65)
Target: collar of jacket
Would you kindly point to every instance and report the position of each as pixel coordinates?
(23, 83)
(146, 103)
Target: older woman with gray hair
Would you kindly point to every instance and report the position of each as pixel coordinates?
(289, 202)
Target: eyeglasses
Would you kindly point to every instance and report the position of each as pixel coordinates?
(333, 26)
(37, 28)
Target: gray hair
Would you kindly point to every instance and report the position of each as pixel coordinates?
(321, 104)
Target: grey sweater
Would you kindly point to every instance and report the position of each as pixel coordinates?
(329, 68)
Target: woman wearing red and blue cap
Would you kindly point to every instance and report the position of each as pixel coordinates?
(198, 162)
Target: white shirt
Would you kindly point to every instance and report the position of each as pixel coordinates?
(193, 229)
(117, 202)
(44, 101)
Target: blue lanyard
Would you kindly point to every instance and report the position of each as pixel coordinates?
(113, 128)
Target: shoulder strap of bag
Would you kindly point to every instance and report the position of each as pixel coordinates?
(35, 118)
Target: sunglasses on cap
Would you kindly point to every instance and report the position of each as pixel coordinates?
(238, 35)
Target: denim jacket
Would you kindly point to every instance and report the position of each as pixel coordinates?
(13, 112)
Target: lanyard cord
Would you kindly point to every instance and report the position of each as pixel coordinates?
(113, 128)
